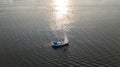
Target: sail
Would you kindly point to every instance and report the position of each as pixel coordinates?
(66, 39)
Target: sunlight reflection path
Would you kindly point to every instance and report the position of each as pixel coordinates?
(61, 15)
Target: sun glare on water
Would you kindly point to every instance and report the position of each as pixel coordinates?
(60, 15)
(61, 8)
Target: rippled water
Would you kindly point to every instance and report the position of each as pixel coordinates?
(28, 27)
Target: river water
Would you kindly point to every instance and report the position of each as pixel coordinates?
(28, 26)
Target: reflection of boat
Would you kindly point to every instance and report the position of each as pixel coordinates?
(61, 43)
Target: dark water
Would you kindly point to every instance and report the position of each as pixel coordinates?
(28, 27)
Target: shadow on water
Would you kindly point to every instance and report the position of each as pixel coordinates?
(59, 50)
(61, 47)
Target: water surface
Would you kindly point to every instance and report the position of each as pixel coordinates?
(27, 28)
